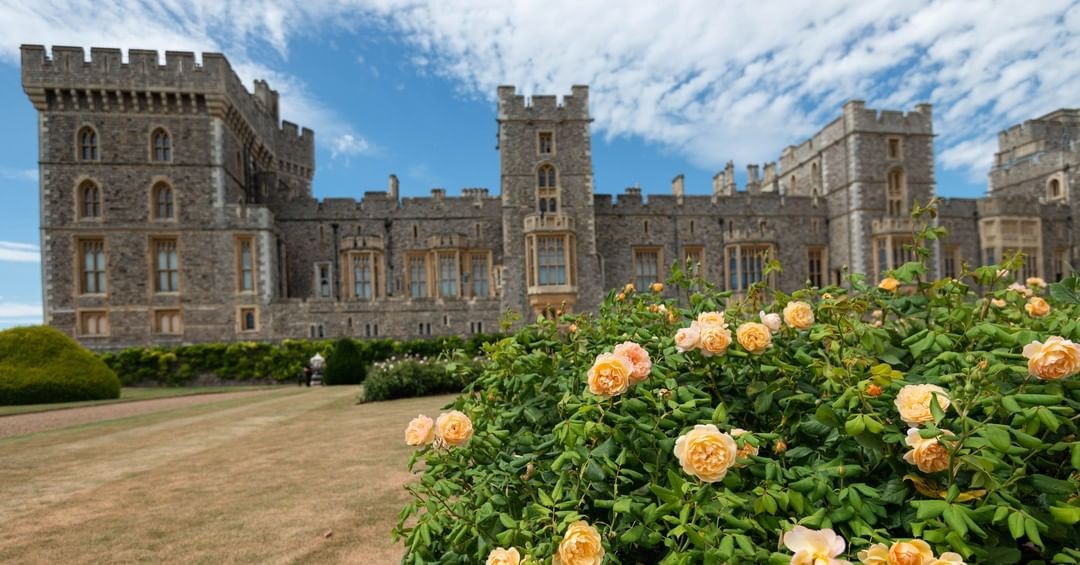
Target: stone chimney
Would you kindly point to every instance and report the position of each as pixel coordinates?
(677, 188)
(393, 187)
(753, 179)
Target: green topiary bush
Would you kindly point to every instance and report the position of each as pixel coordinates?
(345, 365)
(411, 377)
(40, 365)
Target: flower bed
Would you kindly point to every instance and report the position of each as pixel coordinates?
(915, 422)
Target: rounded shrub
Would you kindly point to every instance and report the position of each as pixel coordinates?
(345, 365)
(38, 365)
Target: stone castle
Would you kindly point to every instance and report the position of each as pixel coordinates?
(177, 207)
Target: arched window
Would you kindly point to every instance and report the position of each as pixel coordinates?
(894, 193)
(88, 144)
(89, 200)
(162, 145)
(547, 192)
(1053, 189)
(163, 202)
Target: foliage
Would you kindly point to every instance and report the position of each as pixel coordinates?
(250, 361)
(417, 376)
(41, 365)
(345, 365)
(819, 406)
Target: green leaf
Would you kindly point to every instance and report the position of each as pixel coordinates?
(1067, 291)
(827, 416)
(1067, 515)
(622, 505)
(998, 436)
(594, 471)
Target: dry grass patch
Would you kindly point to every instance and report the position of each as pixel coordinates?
(254, 480)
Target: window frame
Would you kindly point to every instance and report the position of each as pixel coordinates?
(82, 317)
(899, 153)
(378, 272)
(739, 285)
(157, 188)
(699, 250)
(425, 269)
(547, 189)
(453, 258)
(241, 319)
(163, 132)
(893, 248)
(155, 272)
(540, 134)
(82, 186)
(635, 260)
(896, 203)
(176, 326)
(94, 145)
(81, 288)
(823, 265)
(239, 241)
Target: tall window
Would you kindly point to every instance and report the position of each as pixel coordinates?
(745, 265)
(646, 267)
(88, 144)
(815, 266)
(418, 276)
(93, 324)
(248, 320)
(166, 266)
(89, 200)
(92, 266)
(551, 257)
(1003, 237)
(478, 274)
(245, 264)
(164, 208)
(546, 143)
(363, 276)
(895, 193)
(547, 193)
(162, 145)
(448, 275)
(891, 252)
(167, 322)
(696, 255)
(1053, 189)
(325, 287)
(950, 261)
(894, 148)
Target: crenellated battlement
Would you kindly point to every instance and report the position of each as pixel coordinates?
(857, 117)
(1048, 132)
(513, 106)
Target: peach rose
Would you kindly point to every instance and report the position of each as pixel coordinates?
(687, 338)
(754, 337)
(711, 318)
(747, 450)
(454, 428)
(1037, 307)
(814, 547)
(949, 558)
(572, 328)
(1056, 359)
(1017, 287)
(580, 546)
(714, 340)
(889, 284)
(657, 287)
(771, 321)
(501, 556)
(706, 453)
(629, 288)
(913, 403)
(621, 296)
(877, 314)
(914, 552)
(798, 315)
(929, 455)
(638, 358)
(420, 431)
(1035, 282)
(610, 375)
(998, 303)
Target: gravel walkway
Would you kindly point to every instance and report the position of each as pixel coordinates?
(20, 424)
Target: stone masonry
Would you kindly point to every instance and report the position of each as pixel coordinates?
(177, 207)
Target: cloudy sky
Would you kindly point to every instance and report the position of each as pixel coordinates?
(407, 87)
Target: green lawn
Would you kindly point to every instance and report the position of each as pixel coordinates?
(128, 394)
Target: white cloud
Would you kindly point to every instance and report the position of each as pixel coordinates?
(19, 252)
(711, 80)
(20, 311)
(8, 173)
(349, 145)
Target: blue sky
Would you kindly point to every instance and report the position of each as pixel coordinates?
(407, 87)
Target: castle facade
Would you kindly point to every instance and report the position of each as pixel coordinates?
(176, 207)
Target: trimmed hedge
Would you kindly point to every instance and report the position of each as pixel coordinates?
(39, 365)
(248, 361)
(345, 365)
(411, 377)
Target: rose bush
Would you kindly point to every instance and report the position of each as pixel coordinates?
(938, 430)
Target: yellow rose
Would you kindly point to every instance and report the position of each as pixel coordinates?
(754, 337)
(889, 284)
(814, 547)
(929, 455)
(1037, 307)
(629, 288)
(711, 318)
(1056, 359)
(914, 552)
(798, 315)
(949, 558)
(500, 556)
(610, 375)
(638, 357)
(998, 303)
(714, 340)
(420, 431)
(572, 328)
(1035, 282)
(747, 450)
(580, 546)
(657, 287)
(454, 428)
(621, 296)
(913, 403)
(706, 453)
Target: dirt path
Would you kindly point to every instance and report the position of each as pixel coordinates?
(260, 478)
(34, 422)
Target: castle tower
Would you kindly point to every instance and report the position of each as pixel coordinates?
(547, 199)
